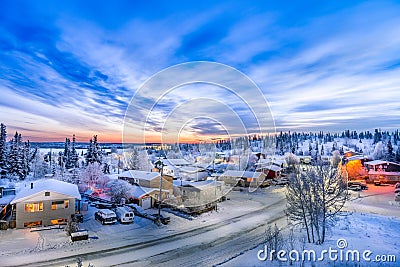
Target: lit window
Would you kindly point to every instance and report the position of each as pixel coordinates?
(59, 221)
(58, 205)
(32, 224)
(34, 207)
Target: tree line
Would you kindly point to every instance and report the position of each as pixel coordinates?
(16, 155)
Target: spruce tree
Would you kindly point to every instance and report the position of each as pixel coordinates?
(390, 154)
(74, 154)
(3, 151)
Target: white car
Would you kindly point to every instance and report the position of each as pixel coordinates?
(125, 214)
(397, 197)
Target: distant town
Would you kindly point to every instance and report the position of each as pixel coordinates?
(84, 194)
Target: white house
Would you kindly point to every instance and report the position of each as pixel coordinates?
(45, 202)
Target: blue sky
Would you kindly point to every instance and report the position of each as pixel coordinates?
(73, 66)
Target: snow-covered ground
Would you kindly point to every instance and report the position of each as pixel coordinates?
(371, 222)
(242, 211)
(232, 236)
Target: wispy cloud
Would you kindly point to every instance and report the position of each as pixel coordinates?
(73, 67)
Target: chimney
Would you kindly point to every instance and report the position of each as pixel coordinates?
(31, 185)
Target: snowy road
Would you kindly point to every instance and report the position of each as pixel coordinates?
(206, 244)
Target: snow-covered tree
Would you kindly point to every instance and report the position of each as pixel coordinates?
(3, 151)
(74, 157)
(16, 157)
(119, 189)
(292, 161)
(336, 159)
(397, 155)
(94, 152)
(132, 159)
(389, 155)
(379, 151)
(92, 174)
(314, 197)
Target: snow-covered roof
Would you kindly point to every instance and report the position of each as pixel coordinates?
(357, 157)
(376, 162)
(278, 162)
(48, 185)
(175, 162)
(270, 167)
(384, 173)
(5, 200)
(140, 191)
(203, 184)
(241, 174)
(199, 185)
(143, 175)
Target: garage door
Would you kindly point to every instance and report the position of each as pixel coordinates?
(146, 203)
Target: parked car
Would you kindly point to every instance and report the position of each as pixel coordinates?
(377, 182)
(397, 185)
(163, 219)
(361, 183)
(355, 187)
(397, 190)
(397, 197)
(124, 214)
(105, 216)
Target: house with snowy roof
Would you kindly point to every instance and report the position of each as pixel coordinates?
(196, 194)
(384, 171)
(45, 202)
(146, 197)
(242, 178)
(146, 179)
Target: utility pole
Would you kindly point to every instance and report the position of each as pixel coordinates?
(159, 165)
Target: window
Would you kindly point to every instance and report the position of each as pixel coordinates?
(59, 221)
(34, 207)
(46, 194)
(61, 204)
(32, 224)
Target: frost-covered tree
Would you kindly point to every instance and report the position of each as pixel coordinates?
(292, 161)
(120, 189)
(389, 155)
(397, 156)
(132, 159)
(94, 152)
(336, 159)
(16, 157)
(74, 157)
(314, 197)
(92, 174)
(379, 151)
(66, 157)
(3, 151)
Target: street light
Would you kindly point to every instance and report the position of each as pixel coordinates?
(160, 166)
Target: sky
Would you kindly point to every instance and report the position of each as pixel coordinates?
(85, 68)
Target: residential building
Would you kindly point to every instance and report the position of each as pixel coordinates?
(146, 179)
(45, 202)
(385, 171)
(242, 178)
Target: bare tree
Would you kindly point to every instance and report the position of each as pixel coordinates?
(274, 240)
(315, 196)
